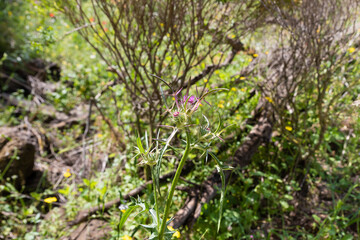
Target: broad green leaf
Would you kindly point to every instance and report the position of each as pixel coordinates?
(126, 215)
(138, 142)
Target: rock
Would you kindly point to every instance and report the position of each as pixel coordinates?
(17, 153)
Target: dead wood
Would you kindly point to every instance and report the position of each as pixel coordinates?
(17, 153)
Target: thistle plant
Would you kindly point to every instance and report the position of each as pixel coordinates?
(198, 136)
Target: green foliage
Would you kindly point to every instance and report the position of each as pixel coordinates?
(260, 201)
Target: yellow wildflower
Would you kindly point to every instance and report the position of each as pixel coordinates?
(255, 55)
(233, 89)
(161, 24)
(220, 105)
(123, 210)
(269, 99)
(67, 173)
(242, 78)
(176, 234)
(266, 52)
(154, 34)
(126, 237)
(168, 35)
(50, 200)
(205, 80)
(351, 50)
(243, 89)
(289, 128)
(250, 60)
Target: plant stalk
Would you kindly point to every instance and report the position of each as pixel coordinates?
(155, 197)
(173, 185)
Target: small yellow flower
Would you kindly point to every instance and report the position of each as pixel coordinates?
(173, 99)
(126, 237)
(50, 200)
(351, 50)
(269, 99)
(205, 80)
(255, 55)
(250, 60)
(242, 78)
(266, 52)
(168, 35)
(176, 234)
(233, 89)
(220, 105)
(161, 24)
(289, 128)
(154, 34)
(243, 89)
(67, 173)
(238, 117)
(123, 210)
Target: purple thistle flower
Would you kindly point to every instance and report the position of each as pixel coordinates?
(191, 99)
(175, 114)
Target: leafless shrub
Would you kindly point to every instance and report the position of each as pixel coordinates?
(310, 71)
(142, 38)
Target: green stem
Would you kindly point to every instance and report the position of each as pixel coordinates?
(173, 185)
(155, 196)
